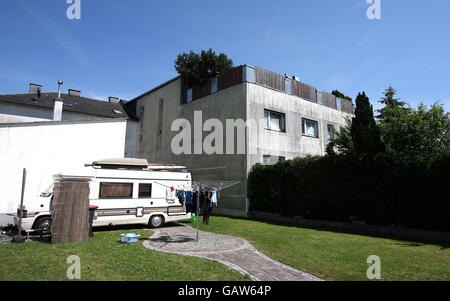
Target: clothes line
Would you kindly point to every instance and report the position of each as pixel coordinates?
(184, 186)
(216, 184)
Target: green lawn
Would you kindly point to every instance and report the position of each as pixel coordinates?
(104, 258)
(338, 256)
(328, 255)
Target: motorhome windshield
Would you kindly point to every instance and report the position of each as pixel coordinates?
(48, 191)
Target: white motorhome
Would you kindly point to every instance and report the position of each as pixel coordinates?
(126, 191)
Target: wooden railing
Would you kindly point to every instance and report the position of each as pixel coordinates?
(271, 80)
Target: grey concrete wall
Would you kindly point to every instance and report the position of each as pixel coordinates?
(291, 143)
(131, 138)
(223, 105)
(159, 108)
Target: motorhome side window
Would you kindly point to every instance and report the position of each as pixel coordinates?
(145, 191)
(116, 190)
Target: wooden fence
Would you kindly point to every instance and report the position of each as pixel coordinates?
(70, 215)
(268, 79)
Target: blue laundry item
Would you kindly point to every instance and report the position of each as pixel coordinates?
(183, 195)
(189, 196)
(213, 198)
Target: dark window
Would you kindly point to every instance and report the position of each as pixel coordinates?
(330, 132)
(116, 190)
(145, 190)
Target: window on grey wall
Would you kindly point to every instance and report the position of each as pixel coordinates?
(268, 159)
(189, 95)
(274, 121)
(310, 128)
(214, 85)
(330, 131)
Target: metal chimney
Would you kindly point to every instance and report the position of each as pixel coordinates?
(35, 88)
(74, 92)
(58, 106)
(113, 99)
(60, 82)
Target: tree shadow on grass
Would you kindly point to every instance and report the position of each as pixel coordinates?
(402, 240)
(170, 239)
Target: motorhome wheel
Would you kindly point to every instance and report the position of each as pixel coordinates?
(44, 223)
(156, 221)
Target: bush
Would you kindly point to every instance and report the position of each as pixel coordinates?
(381, 189)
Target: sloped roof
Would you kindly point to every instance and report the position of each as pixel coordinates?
(72, 103)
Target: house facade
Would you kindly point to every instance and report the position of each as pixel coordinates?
(46, 134)
(38, 106)
(283, 119)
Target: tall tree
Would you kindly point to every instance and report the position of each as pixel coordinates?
(197, 68)
(417, 132)
(390, 102)
(364, 130)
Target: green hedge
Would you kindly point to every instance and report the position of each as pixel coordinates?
(382, 189)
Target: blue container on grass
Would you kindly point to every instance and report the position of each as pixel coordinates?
(130, 238)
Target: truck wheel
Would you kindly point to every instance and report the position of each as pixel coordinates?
(156, 221)
(43, 223)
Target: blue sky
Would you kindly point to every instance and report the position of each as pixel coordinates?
(126, 47)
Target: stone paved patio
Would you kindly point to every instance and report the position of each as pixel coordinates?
(234, 252)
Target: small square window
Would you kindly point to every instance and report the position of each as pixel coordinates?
(145, 191)
(310, 128)
(274, 121)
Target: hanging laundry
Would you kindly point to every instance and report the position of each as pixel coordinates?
(189, 196)
(181, 196)
(205, 206)
(170, 194)
(213, 198)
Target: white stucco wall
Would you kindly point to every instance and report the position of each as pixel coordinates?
(44, 148)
